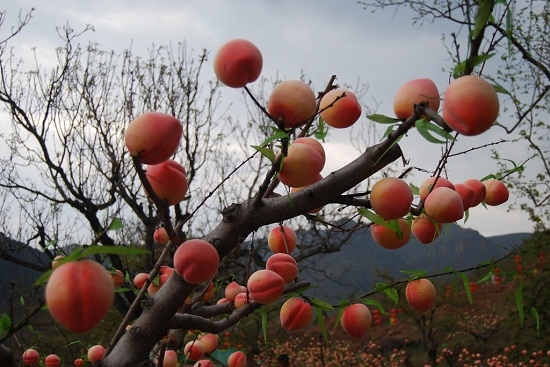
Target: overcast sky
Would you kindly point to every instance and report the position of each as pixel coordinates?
(319, 38)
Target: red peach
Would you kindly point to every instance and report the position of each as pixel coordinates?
(118, 278)
(314, 143)
(204, 363)
(197, 261)
(153, 288)
(295, 314)
(140, 279)
(241, 299)
(96, 353)
(265, 286)
(301, 166)
(391, 198)
(340, 108)
(425, 230)
(356, 320)
(79, 294)
(237, 63)
(236, 359)
(78, 362)
(284, 265)
(194, 350)
(164, 273)
(170, 358)
(161, 236)
(292, 103)
(209, 341)
(30, 356)
(420, 294)
(168, 180)
(223, 300)
(479, 190)
(282, 239)
(232, 290)
(428, 185)
(412, 93)
(153, 136)
(466, 194)
(444, 205)
(389, 238)
(52, 360)
(470, 105)
(496, 192)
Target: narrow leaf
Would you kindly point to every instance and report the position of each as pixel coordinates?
(484, 9)
(116, 224)
(519, 302)
(381, 119)
(466, 283)
(427, 128)
(375, 303)
(322, 305)
(266, 152)
(264, 323)
(392, 294)
(5, 323)
(460, 68)
(321, 323)
(535, 314)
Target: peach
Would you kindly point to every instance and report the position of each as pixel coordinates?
(52, 360)
(292, 103)
(168, 180)
(118, 278)
(153, 288)
(197, 261)
(412, 93)
(301, 166)
(153, 136)
(30, 356)
(284, 265)
(428, 185)
(340, 108)
(209, 341)
(466, 194)
(232, 290)
(295, 314)
(391, 198)
(204, 363)
(389, 238)
(282, 239)
(314, 143)
(96, 353)
(237, 63)
(241, 299)
(194, 350)
(479, 188)
(356, 320)
(170, 358)
(164, 273)
(444, 205)
(265, 286)
(470, 105)
(496, 192)
(140, 279)
(420, 294)
(79, 295)
(78, 362)
(161, 236)
(425, 230)
(236, 359)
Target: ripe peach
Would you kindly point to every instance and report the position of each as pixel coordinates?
(236, 359)
(237, 63)
(292, 103)
(425, 230)
(161, 236)
(52, 360)
(295, 314)
(390, 239)
(444, 205)
(428, 184)
(479, 188)
(391, 198)
(194, 350)
(153, 136)
(168, 180)
(301, 166)
(140, 279)
(314, 143)
(204, 363)
(340, 108)
(79, 294)
(232, 290)
(470, 105)
(265, 286)
(78, 362)
(170, 358)
(164, 273)
(356, 320)
(96, 353)
(197, 261)
(241, 299)
(496, 192)
(30, 356)
(466, 194)
(412, 93)
(118, 278)
(209, 341)
(153, 288)
(282, 239)
(284, 265)
(420, 294)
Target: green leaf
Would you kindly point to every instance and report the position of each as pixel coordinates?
(264, 323)
(22, 301)
(321, 323)
(426, 128)
(266, 152)
(470, 63)
(414, 274)
(322, 129)
(486, 277)
(535, 314)
(113, 250)
(381, 119)
(372, 216)
(466, 283)
(519, 302)
(375, 303)
(116, 224)
(484, 9)
(5, 323)
(501, 89)
(322, 305)
(342, 304)
(278, 134)
(392, 294)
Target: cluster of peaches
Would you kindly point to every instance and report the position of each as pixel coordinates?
(31, 357)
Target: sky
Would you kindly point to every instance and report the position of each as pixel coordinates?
(317, 38)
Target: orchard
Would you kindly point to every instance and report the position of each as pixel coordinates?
(248, 265)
